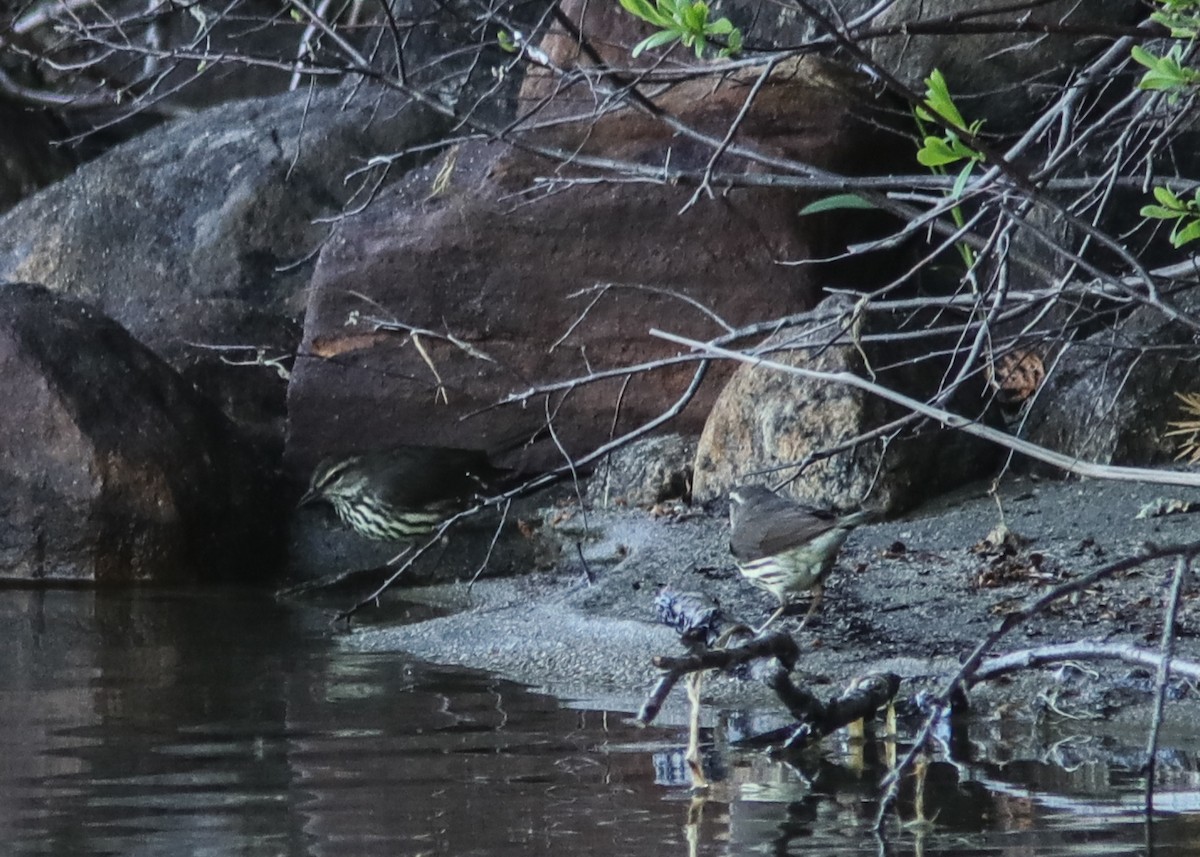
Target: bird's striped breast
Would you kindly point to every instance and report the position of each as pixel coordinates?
(373, 519)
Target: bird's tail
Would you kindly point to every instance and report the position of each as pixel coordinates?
(862, 516)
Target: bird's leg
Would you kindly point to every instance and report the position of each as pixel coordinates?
(782, 606)
(891, 734)
(818, 592)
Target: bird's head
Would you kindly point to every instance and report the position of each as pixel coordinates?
(335, 478)
(743, 497)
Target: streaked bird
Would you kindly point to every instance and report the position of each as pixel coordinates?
(406, 491)
(784, 547)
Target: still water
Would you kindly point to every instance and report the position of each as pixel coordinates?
(154, 723)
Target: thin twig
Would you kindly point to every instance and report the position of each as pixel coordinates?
(492, 544)
(705, 185)
(1166, 650)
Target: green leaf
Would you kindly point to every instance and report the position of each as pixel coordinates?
(1186, 235)
(677, 14)
(733, 43)
(1167, 197)
(838, 202)
(1179, 17)
(961, 181)
(960, 149)
(937, 99)
(1154, 81)
(936, 153)
(659, 38)
(957, 146)
(695, 18)
(1166, 73)
(935, 86)
(720, 27)
(1139, 54)
(642, 9)
(1157, 212)
(506, 42)
(1181, 26)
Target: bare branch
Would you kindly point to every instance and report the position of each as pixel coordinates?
(951, 420)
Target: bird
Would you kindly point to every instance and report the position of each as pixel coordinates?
(406, 491)
(785, 547)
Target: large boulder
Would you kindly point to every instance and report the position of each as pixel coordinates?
(201, 232)
(772, 426)
(498, 272)
(112, 468)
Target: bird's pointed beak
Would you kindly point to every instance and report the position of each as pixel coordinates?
(309, 496)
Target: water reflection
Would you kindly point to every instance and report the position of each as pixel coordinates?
(151, 723)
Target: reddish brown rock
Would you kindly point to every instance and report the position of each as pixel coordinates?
(512, 280)
(558, 282)
(766, 421)
(112, 468)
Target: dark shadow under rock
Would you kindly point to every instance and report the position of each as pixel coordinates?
(112, 468)
(324, 554)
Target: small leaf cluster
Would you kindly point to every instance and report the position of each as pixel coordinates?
(1185, 213)
(683, 21)
(1166, 73)
(937, 152)
(1181, 17)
